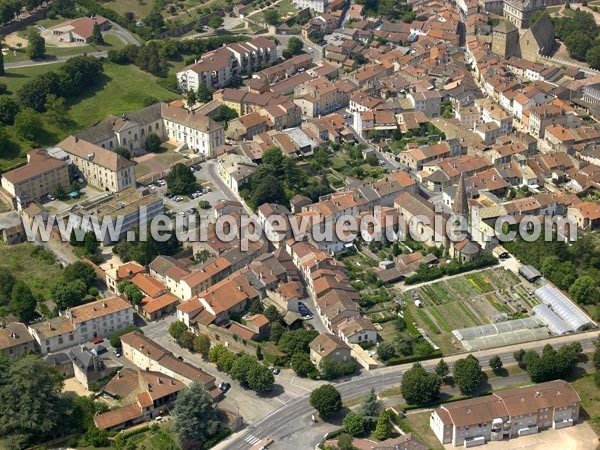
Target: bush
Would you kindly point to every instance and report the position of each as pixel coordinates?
(115, 338)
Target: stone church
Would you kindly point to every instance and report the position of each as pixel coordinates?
(530, 44)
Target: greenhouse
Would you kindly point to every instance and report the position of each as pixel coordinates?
(551, 320)
(495, 328)
(508, 338)
(564, 308)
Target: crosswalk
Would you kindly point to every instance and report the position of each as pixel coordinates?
(268, 416)
(251, 439)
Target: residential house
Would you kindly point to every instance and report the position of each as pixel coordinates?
(330, 347)
(15, 339)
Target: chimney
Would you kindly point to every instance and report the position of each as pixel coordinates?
(119, 374)
(104, 305)
(159, 380)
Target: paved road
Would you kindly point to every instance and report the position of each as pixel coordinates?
(294, 417)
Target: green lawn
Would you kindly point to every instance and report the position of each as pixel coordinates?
(122, 89)
(141, 8)
(419, 422)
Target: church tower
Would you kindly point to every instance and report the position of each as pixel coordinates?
(461, 204)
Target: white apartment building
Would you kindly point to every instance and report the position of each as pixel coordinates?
(217, 68)
(199, 132)
(102, 168)
(82, 323)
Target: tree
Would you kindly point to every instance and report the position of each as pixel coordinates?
(256, 307)
(177, 328)
(386, 350)
(215, 22)
(133, 294)
(90, 241)
(296, 341)
(272, 313)
(56, 110)
(191, 98)
(36, 45)
(354, 424)
(269, 190)
(22, 302)
(2, 71)
(194, 417)
(152, 143)
(115, 338)
(97, 38)
(59, 192)
(496, 363)
(326, 400)
(181, 179)
(202, 345)
(271, 16)
(203, 93)
(345, 442)
(222, 357)
(8, 109)
(420, 387)
(31, 409)
(225, 114)
(441, 369)
(68, 295)
(370, 407)
(383, 430)
(592, 57)
(80, 271)
(7, 281)
(518, 356)
(259, 353)
(28, 124)
(595, 359)
(585, 291)
(241, 368)
(295, 45)
(260, 378)
(155, 20)
(467, 374)
(187, 339)
(302, 364)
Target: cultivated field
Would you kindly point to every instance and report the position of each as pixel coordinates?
(469, 300)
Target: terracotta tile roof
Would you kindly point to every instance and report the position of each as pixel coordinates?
(39, 162)
(118, 416)
(151, 305)
(148, 285)
(102, 157)
(99, 308)
(128, 269)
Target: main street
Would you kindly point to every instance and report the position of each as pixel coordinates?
(290, 424)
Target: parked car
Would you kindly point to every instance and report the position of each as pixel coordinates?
(97, 340)
(178, 199)
(196, 166)
(50, 197)
(117, 353)
(224, 387)
(80, 180)
(275, 370)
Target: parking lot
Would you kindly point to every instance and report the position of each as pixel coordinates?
(212, 188)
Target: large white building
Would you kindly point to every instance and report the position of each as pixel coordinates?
(218, 68)
(82, 323)
(199, 132)
(176, 124)
(506, 414)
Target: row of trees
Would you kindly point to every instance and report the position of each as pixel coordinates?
(199, 343)
(551, 364)
(244, 368)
